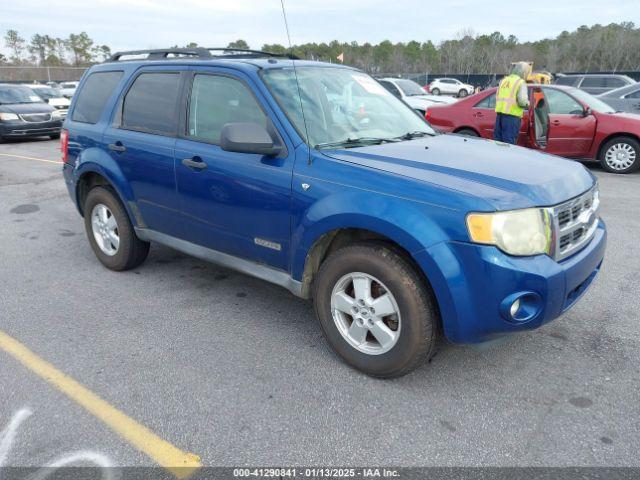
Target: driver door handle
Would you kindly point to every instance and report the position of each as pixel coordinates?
(117, 147)
(555, 122)
(195, 162)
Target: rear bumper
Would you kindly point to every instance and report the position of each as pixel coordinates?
(26, 130)
(475, 285)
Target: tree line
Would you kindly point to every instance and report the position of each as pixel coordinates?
(614, 47)
(44, 50)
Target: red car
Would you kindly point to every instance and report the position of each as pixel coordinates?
(565, 121)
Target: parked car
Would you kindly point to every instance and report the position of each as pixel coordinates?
(413, 94)
(23, 114)
(595, 83)
(321, 181)
(450, 86)
(68, 89)
(52, 96)
(578, 125)
(625, 99)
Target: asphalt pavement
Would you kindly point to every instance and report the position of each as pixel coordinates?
(236, 371)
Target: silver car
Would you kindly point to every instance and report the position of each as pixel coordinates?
(625, 99)
(594, 83)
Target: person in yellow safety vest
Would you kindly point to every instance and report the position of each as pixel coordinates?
(511, 100)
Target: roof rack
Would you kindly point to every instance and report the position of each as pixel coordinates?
(196, 52)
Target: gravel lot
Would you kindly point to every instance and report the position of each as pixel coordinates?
(236, 371)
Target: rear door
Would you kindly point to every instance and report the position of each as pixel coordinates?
(141, 140)
(237, 203)
(483, 116)
(571, 132)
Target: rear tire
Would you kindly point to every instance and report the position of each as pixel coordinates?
(620, 155)
(467, 132)
(355, 281)
(110, 232)
(436, 91)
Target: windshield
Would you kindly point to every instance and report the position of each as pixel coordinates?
(590, 100)
(46, 92)
(12, 95)
(410, 88)
(341, 106)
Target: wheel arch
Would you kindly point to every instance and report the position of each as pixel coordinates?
(610, 137)
(459, 129)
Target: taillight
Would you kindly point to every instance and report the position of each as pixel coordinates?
(427, 115)
(64, 145)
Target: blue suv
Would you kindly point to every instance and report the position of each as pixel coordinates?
(314, 177)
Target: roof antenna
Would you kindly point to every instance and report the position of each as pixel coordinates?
(295, 74)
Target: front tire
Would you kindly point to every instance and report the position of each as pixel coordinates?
(467, 132)
(620, 155)
(463, 93)
(110, 232)
(375, 310)
(436, 91)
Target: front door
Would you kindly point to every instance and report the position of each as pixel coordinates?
(571, 130)
(141, 140)
(236, 203)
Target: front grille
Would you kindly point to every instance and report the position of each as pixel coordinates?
(36, 117)
(575, 223)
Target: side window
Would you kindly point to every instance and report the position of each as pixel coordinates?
(217, 100)
(561, 103)
(391, 87)
(150, 104)
(635, 94)
(566, 80)
(613, 82)
(489, 102)
(593, 82)
(94, 95)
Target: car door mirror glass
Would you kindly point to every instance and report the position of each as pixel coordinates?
(248, 138)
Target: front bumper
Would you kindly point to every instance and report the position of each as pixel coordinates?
(28, 129)
(472, 283)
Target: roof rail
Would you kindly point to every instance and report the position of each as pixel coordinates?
(196, 52)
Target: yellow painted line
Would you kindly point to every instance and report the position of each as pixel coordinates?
(29, 158)
(179, 463)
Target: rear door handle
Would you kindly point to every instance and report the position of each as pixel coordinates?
(555, 122)
(117, 147)
(195, 162)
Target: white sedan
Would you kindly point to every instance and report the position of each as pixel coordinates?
(450, 86)
(413, 94)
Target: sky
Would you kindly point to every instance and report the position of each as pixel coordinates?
(138, 24)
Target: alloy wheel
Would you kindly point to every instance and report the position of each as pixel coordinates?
(105, 229)
(366, 313)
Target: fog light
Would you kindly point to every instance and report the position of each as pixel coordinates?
(515, 306)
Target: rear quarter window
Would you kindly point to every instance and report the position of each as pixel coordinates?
(94, 95)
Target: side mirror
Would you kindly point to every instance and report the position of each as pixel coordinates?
(248, 138)
(586, 112)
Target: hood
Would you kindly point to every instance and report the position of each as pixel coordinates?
(506, 176)
(20, 108)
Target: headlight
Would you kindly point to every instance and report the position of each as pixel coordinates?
(517, 232)
(6, 117)
(56, 114)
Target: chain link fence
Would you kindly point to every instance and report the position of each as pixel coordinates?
(28, 74)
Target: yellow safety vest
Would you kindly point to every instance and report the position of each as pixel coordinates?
(507, 96)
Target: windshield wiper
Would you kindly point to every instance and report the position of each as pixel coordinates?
(412, 135)
(355, 142)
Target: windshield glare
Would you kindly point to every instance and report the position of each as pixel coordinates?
(410, 88)
(591, 101)
(11, 95)
(341, 104)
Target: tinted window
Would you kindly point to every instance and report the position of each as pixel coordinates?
(391, 87)
(489, 102)
(561, 103)
(94, 95)
(150, 104)
(613, 82)
(216, 101)
(566, 80)
(593, 82)
(635, 94)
